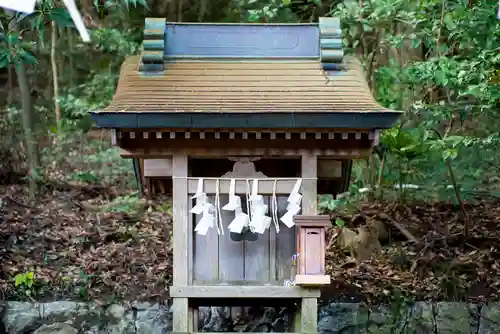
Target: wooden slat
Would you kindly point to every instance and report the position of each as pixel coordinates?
(285, 245)
(242, 292)
(257, 258)
(201, 90)
(231, 254)
(258, 86)
(234, 97)
(256, 77)
(206, 254)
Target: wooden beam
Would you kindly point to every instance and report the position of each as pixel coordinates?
(309, 167)
(262, 152)
(180, 219)
(265, 186)
(250, 292)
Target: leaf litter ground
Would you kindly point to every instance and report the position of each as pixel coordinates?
(77, 252)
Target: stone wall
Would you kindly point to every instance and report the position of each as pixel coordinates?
(72, 317)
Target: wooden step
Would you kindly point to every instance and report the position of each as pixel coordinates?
(249, 292)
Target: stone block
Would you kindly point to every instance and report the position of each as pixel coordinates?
(336, 318)
(489, 322)
(456, 318)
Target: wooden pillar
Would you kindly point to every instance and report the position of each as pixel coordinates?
(182, 314)
(309, 167)
(309, 316)
(308, 313)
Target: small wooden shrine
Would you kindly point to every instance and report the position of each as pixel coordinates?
(244, 119)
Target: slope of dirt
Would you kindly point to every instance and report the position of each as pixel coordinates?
(81, 253)
(78, 252)
(443, 264)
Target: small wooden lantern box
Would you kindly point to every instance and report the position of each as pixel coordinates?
(311, 234)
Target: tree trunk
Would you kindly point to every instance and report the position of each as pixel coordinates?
(27, 116)
(54, 77)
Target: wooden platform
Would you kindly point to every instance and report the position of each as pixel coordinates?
(262, 291)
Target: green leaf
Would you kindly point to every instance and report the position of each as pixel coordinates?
(339, 222)
(28, 58)
(4, 59)
(449, 22)
(13, 39)
(450, 154)
(61, 17)
(19, 279)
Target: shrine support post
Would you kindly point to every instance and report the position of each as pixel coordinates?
(182, 314)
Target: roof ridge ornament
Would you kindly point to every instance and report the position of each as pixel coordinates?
(330, 43)
(152, 58)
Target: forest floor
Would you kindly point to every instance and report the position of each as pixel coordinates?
(76, 251)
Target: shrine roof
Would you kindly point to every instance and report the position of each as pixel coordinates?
(286, 84)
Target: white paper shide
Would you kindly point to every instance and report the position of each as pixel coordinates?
(241, 219)
(259, 221)
(293, 207)
(203, 207)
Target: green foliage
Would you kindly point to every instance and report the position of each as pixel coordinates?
(131, 205)
(440, 63)
(14, 50)
(86, 282)
(25, 283)
(342, 202)
(88, 161)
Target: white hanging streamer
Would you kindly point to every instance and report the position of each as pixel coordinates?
(241, 219)
(234, 200)
(259, 221)
(205, 208)
(293, 206)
